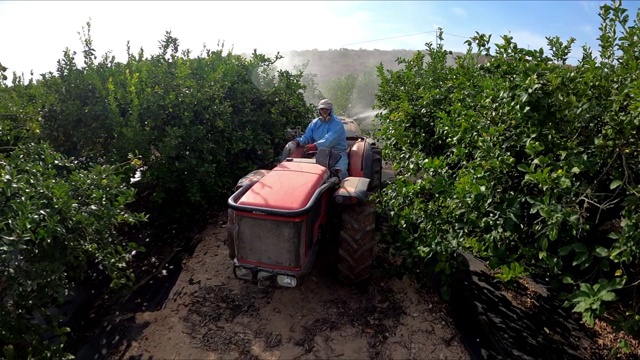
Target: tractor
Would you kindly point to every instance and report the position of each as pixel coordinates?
(276, 217)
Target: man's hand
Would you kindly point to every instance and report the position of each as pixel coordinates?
(311, 147)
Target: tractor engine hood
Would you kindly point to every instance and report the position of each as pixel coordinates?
(289, 187)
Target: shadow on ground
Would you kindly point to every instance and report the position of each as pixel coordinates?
(118, 328)
(494, 326)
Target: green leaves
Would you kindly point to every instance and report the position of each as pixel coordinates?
(55, 222)
(195, 124)
(615, 184)
(589, 300)
(187, 118)
(511, 272)
(601, 252)
(521, 128)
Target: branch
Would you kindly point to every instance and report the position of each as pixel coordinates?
(626, 170)
(630, 285)
(607, 168)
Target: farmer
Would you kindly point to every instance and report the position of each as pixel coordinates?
(326, 131)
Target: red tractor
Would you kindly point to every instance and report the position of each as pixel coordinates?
(276, 216)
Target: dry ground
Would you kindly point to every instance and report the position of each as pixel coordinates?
(209, 314)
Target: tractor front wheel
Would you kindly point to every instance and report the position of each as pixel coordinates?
(357, 247)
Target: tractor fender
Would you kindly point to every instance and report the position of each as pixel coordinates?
(360, 158)
(251, 178)
(352, 190)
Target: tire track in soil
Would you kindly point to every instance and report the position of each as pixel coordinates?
(209, 315)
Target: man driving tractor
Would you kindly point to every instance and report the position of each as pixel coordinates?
(276, 216)
(325, 131)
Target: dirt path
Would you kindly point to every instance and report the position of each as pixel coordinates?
(211, 315)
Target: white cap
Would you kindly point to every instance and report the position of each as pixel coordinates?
(325, 104)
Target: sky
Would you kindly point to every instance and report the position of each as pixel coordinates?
(34, 35)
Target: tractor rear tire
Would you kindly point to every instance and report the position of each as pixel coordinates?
(357, 247)
(375, 183)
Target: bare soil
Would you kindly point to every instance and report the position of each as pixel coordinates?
(196, 309)
(209, 314)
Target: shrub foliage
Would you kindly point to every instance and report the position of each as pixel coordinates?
(58, 224)
(195, 124)
(187, 127)
(524, 160)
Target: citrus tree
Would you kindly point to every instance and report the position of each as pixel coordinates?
(58, 227)
(523, 160)
(194, 124)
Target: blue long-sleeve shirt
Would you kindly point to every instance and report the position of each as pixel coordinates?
(330, 134)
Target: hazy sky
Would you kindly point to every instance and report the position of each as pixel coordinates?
(33, 35)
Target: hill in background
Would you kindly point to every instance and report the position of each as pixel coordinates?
(331, 64)
(347, 77)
